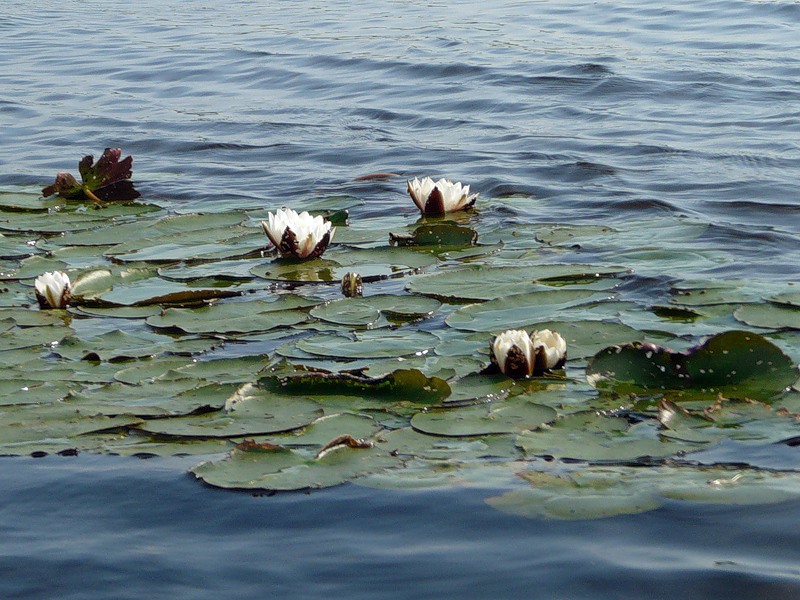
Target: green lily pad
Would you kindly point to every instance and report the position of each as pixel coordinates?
(408, 444)
(326, 428)
(153, 399)
(596, 438)
(408, 384)
(370, 344)
(277, 468)
(32, 337)
(600, 492)
(367, 310)
(41, 422)
(569, 234)
(254, 411)
(593, 494)
(742, 421)
(504, 416)
(45, 223)
(708, 293)
(15, 392)
(119, 345)
(117, 312)
(233, 317)
(769, 316)
(521, 309)
(32, 267)
(788, 299)
(482, 282)
(734, 363)
(371, 263)
(230, 270)
(155, 290)
(440, 234)
(585, 338)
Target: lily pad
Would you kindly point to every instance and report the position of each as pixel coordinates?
(586, 337)
(372, 264)
(505, 416)
(159, 291)
(788, 299)
(253, 466)
(233, 317)
(119, 345)
(521, 309)
(408, 384)
(595, 438)
(15, 391)
(153, 399)
(769, 316)
(482, 282)
(257, 412)
(327, 427)
(440, 234)
(600, 492)
(365, 311)
(41, 422)
(370, 344)
(735, 363)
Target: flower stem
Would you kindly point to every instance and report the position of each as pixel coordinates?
(91, 195)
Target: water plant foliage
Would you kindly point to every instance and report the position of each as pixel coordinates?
(107, 180)
(187, 334)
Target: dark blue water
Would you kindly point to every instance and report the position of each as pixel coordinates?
(594, 111)
(96, 527)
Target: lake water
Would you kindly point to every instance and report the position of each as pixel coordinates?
(584, 113)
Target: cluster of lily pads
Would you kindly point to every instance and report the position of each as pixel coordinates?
(413, 358)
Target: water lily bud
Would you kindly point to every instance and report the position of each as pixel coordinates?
(512, 352)
(550, 350)
(53, 289)
(441, 197)
(352, 285)
(298, 235)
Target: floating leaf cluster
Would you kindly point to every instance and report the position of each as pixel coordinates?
(188, 334)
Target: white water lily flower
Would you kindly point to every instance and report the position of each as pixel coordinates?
(441, 197)
(550, 349)
(298, 235)
(53, 289)
(519, 355)
(512, 352)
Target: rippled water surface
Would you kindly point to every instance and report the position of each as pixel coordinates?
(585, 113)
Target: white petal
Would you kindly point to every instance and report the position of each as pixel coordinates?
(503, 343)
(308, 230)
(51, 286)
(454, 195)
(420, 191)
(555, 347)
